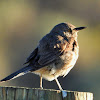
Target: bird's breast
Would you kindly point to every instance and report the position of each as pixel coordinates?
(69, 62)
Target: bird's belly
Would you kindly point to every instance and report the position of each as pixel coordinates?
(71, 59)
(45, 73)
(62, 69)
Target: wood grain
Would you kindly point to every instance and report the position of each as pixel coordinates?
(23, 93)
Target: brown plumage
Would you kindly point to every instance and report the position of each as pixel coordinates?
(55, 55)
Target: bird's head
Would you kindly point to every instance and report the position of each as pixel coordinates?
(67, 29)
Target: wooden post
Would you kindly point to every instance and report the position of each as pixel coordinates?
(17, 93)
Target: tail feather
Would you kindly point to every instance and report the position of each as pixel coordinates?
(17, 73)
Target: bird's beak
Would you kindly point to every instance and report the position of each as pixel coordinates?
(79, 28)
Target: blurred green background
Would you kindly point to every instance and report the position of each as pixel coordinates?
(24, 22)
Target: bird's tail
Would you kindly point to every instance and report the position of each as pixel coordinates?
(17, 73)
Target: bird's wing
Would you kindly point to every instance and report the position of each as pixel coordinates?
(51, 48)
(48, 50)
(32, 56)
(48, 58)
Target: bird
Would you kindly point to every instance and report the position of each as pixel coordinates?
(54, 56)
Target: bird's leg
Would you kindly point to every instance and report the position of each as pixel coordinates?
(41, 82)
(58, 84)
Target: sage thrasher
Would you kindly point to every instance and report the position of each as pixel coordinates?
(54, 56)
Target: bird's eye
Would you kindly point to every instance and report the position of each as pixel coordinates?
(69, 30)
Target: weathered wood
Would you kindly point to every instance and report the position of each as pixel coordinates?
(17, 93)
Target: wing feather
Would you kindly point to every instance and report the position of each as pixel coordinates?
(48, 50)
(32, 56)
